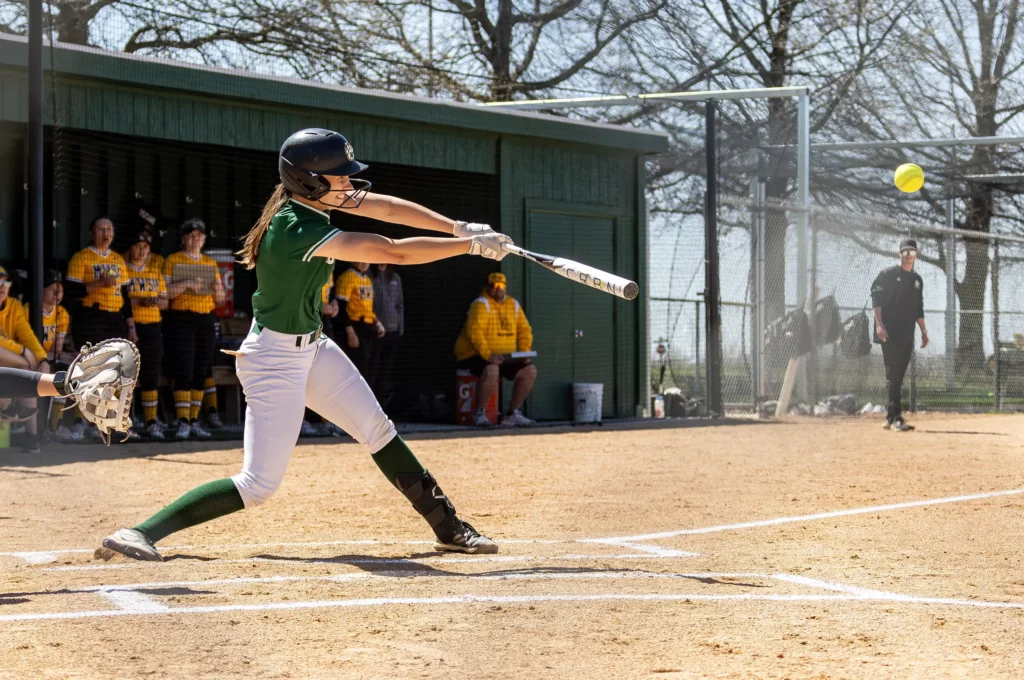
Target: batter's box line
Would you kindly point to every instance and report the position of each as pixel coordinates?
(130, 602)
(407, 561)
(49, 556)
(636, 541)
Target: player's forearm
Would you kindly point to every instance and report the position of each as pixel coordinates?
(19, 384)
(878, 315)
(376, 249)
(400, 211)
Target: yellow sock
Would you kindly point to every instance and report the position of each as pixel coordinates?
(197, 403)
(182, 404)
(209, 396)
(56, 412)
(150, 400)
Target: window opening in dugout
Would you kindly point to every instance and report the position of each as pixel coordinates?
(101, 173)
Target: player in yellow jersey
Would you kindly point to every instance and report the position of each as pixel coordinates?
(56, 321)
(495, 327)
(95, 280)
(354, 292)
(19, 348)
(194, 288)
(147, 291)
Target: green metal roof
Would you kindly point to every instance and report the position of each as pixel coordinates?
(132, 71)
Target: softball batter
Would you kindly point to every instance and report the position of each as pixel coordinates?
(286, 363)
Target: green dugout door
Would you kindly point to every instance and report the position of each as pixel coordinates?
(573, 326)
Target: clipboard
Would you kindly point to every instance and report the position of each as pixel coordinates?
(189, 272)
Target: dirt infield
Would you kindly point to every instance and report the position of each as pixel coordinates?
(813, 549)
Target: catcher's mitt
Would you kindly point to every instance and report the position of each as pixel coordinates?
(101, 380)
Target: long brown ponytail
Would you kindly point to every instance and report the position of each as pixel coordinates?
(251, 247)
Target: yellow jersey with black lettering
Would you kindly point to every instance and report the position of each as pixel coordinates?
(325, 293)
(89, 265)
(494, 327)
(187, 267)
(54, 324)
(146, 284)
(356, 289)
(16, 332)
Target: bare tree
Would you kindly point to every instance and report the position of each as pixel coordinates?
(834, 46)
(959, 74)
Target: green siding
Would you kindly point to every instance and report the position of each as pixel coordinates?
(177, 117)
(587, 176)
(570, 180)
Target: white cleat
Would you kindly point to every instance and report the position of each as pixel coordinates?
(199, 432)
(480, 420)
(155, 431)
(184, 430)
(307, 430)
(517, 419)
(132, 543)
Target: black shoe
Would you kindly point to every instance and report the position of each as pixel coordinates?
(465, 539)
(900, 425)
(31, 444)
(16, 412)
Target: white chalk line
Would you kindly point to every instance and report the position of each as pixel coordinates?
(48, 556)
(628, 542)
(506, 599)
(620, 540)
(404, 576)
(424, 561)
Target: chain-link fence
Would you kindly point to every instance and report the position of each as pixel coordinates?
(974, 360)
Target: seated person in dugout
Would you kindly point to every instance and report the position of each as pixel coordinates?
(56, 322)
(495, 327)
(19, 348)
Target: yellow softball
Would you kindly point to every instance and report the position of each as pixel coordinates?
(909, 178)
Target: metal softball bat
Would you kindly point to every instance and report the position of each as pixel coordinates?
(581, 273)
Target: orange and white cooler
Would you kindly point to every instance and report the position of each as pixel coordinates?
(225, 260)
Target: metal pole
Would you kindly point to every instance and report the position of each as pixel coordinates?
(950, 298)
(697, 387)
(755, 368)
(995, 325)
(913, 382)
(35, 160)
(711, 273)
(812, 359)
(762, 219)
(803, 190)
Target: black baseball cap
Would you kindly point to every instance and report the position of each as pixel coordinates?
(908, 244)
(193, 224)
(52, 276)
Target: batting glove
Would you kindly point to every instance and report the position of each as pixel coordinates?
(491, 246)
(470, 229)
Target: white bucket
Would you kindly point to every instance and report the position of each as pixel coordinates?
(586, 402)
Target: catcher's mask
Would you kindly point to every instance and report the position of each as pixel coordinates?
(309, 155)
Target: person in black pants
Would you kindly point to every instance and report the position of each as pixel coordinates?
(194, 288)
(897, 295)
(389, 308)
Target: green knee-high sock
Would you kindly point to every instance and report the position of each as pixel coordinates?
(201, 504)
(396, 458)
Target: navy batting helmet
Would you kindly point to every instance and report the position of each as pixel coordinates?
(310, 154)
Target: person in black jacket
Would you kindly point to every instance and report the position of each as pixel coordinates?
(897, 296)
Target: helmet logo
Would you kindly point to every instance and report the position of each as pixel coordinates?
(350, 153)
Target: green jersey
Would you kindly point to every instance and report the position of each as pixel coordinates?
(289, 273)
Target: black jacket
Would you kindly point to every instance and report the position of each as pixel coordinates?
(900, 294)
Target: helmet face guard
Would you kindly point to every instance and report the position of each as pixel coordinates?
(347, 199)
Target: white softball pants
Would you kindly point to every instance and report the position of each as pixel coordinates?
(283, 374)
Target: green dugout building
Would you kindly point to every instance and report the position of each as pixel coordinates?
(175, 141)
